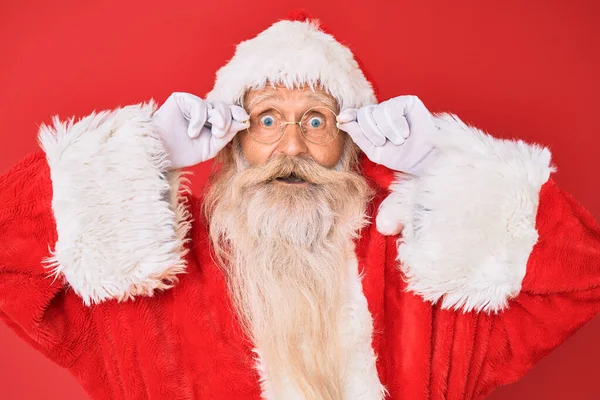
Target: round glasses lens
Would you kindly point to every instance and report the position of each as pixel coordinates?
(319, 125)
(265, 125)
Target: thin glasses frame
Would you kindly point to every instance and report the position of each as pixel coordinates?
(284, 125)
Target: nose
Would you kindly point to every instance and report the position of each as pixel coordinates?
(292, 143)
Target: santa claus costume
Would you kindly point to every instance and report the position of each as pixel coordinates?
(106, 263)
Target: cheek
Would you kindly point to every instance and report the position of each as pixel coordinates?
(328, 155)
(255, 153)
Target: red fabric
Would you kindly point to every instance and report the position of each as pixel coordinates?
(185, 343)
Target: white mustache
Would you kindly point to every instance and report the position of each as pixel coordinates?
(281, 166)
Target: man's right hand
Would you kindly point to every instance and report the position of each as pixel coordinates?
(194, 130)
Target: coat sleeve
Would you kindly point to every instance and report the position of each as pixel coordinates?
(34, 304)
(487, 230)
(559, 294)
(98, 215)
(120, 216)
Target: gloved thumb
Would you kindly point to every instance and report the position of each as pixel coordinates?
(239, 114)
(347, 115)
(241, 119)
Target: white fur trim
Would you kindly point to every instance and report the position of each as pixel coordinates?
(469, 221)
(361, 381)
(293, 53)
(120, 217)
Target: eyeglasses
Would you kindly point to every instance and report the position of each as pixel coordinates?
(318, 125)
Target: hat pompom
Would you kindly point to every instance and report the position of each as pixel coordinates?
(299, 15)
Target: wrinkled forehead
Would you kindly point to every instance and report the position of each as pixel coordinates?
(282, 96)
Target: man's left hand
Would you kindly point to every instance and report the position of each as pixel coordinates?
(396, 133)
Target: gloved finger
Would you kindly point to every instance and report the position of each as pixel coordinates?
(347, 115)
(206, 146)
(390, 119)
(239, 114)
(238, 126)
(196, 112)
(369, 127)
(354, 130)
(216, 144)
(398, 122)
(220, 119)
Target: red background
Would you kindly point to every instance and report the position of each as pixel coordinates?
(514, 68)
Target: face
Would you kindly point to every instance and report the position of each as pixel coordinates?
(292, 103)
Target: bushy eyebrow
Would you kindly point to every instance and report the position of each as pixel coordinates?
(323, 98)
(263, 97)
(319, 97)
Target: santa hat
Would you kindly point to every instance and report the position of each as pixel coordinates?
(294, 52)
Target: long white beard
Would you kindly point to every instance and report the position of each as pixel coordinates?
(284, 250)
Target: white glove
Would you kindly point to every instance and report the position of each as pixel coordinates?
(396, 133)
(194, 130)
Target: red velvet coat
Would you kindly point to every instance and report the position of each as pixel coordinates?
(184, 342)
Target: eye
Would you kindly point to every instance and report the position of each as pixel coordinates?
(267, 121)
(315, 122)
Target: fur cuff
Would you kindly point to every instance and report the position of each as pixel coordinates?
(121, 217)
(469, 221)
